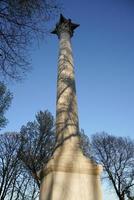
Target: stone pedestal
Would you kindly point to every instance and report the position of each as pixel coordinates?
(71, 186)
(70, 176)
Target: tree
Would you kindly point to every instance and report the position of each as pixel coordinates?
(15, 181)
(22, 21)
(37, 143)
(85, 144)
(9, 164)
(5, 100)
(23, 155)
(116, 154)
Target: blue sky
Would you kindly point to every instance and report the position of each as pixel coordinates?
(103, 48)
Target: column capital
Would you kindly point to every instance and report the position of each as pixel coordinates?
(64, 25)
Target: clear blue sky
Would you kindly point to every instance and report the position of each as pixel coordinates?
(104, 65)
(103, 49)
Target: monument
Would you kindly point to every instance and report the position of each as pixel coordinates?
(69, 175)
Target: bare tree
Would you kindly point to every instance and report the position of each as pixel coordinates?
(21, 23)
(5, 100)
(15, 181)
(85, 144)
(22, 156)
(38, 141)
(9, 164)
(117, 157)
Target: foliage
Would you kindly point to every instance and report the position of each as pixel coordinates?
(5, 100)
(22, 22)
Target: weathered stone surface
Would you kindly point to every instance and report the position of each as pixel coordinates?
(70, 186)
(69, 175)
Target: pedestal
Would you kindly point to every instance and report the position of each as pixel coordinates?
(70, 176)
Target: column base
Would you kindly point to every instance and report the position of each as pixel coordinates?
(70, 176)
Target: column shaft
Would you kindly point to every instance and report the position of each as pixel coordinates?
(66, 106)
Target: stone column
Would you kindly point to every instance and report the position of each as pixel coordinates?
(67, 127)
(69, 175)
